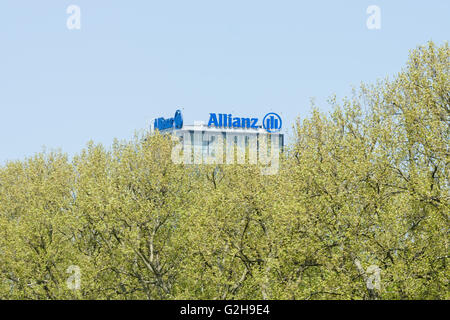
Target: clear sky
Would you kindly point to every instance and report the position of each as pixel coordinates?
(135, 60)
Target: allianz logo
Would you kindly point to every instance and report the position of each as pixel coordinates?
(271, 122)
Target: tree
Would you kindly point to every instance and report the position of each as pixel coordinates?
(358, 210)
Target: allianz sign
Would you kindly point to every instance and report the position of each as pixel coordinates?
(271, 122)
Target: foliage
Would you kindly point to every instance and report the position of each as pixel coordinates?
(366, 185)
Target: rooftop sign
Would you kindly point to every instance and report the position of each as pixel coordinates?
(271, 122)
(175, 122)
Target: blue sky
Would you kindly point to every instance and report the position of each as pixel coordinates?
(136, 60)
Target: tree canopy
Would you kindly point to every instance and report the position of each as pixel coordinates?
(358, 210)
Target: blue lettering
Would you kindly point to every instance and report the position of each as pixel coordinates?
(176, 121)
(213, 120)
(272, 122)
(245, 122)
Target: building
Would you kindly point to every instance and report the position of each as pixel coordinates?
(225, 139)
